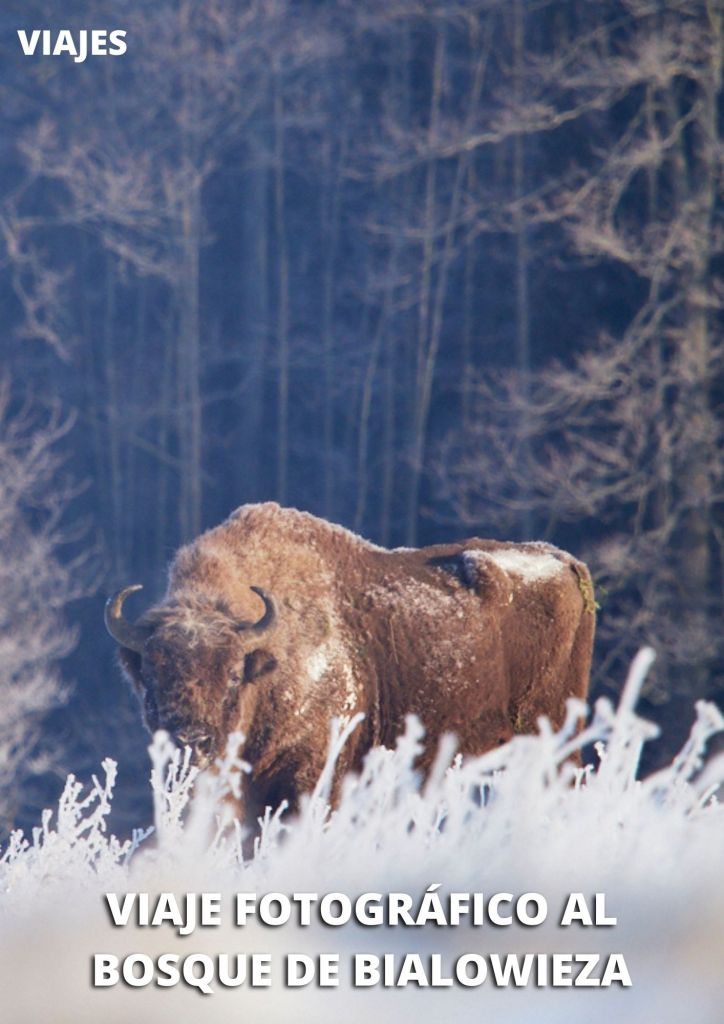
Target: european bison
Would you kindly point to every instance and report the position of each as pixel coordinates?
(276, 621)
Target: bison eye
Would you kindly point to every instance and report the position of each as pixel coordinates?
(257, 663)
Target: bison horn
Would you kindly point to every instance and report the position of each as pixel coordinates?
(267, 618)
(125, 633)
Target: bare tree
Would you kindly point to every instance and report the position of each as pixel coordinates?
(625, 439)
(35, 587)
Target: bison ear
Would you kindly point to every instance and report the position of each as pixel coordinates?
(257, 663)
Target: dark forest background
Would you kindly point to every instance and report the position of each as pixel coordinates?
(428, 269)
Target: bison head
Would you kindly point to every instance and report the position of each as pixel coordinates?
(193, 666)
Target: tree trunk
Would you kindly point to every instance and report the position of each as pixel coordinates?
(419, 423)
(282, 296)
(522, 260)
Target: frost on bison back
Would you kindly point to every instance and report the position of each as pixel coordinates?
(275, 622)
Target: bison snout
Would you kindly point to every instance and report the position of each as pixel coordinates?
(201, 744)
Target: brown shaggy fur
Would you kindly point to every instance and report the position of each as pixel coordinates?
(476, 638)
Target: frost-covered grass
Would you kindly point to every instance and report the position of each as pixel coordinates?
(519, 819)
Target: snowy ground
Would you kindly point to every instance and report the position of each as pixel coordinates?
(655, 848)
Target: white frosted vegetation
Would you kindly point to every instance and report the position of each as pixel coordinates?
(35, 586)
(519, 819)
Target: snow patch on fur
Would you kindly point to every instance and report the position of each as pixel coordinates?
(317, 664)
(530, 567)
